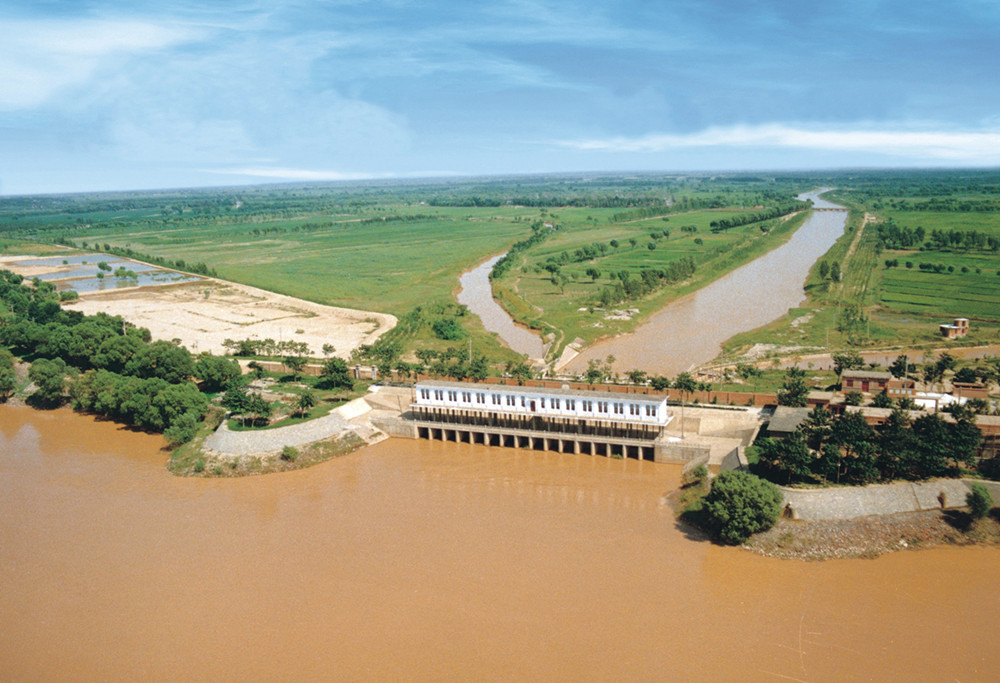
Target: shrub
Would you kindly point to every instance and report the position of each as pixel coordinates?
(979, 501)
(741, 504)
(695, 476)
(199, 465)
(289, 453)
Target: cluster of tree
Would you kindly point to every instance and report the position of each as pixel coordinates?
(538, 233)
(831, 270)
(950, 204)
(962, 240)
(740, 505)
(125, 375)
(8, 377)
(453, 362)
(150, 403)
(629, 288)
(892, 236)
(266, 347)
(846, 449)
(746, 219)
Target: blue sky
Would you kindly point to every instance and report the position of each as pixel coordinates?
(114, 94)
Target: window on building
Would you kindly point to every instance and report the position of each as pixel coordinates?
(633, 409)
(650, 411)
(619, 408)
(467, 397)
(439, 394)
(510, 400)
(496, 399)
(555, 403)
(588, 406)
(543, 403)
(480, 398)
(524, 403)
(602, 406)
(452, 395)
(570, 404)
(425, 393)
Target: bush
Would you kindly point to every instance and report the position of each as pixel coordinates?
(447, 328)
(695, 476)
(740, 505)
(199, 465)
(289, 453)
(979, 500)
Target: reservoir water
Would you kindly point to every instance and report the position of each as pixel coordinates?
(690, 331)
(416, 560)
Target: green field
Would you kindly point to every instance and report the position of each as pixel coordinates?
(572, 308)
(394, 247)
(880, 306)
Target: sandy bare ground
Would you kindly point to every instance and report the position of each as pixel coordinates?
(204, 314)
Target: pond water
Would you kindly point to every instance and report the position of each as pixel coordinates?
(416, 560)
(690, 331)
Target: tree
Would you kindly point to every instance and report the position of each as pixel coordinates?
(659, 383)
(900, 366)
(824, 270)
(163, 360)
(259, 408)
(7, 375)
(49, 376)
(448, 328)
(785, 458)
(519, 370)
(295, 364)
(979, 500)
(257, 369)
(793, 390)
(637, 376)
(740, 505)
(328, 349)
(882, 400)
(685, 384)
(335, 375)
(216, 371)
(593, 273)
(965, 375)
(306, 401)
(849, 360)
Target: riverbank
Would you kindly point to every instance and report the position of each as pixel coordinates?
(872, 536)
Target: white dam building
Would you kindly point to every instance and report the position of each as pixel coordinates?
(564, 420)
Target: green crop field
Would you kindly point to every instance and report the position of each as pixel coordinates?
(394, 246)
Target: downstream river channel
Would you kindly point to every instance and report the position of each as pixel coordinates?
(416, 560)
(477, 294)
(690, 331)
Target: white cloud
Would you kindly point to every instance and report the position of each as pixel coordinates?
(982, 145)
(40, 58)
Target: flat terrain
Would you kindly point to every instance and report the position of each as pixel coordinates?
(204, 314)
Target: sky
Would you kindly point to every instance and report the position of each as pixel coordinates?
(119, 95)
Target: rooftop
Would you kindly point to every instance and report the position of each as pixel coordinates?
(866, 374)
(540, 391)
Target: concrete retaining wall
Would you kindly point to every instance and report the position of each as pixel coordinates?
(850, 502)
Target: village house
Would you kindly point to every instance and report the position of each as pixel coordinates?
(864, 381)
(956, 330)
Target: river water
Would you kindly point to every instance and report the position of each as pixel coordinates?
(477, 294)
(690, 331)
(415, 560)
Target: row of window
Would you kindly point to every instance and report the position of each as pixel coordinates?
(525, 402)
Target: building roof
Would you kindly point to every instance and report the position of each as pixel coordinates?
(517, 389)
(866, 374)
(787, 419)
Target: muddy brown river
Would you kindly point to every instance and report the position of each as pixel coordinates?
(690, 331)
(427, 561)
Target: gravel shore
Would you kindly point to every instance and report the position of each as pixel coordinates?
(869, 537)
